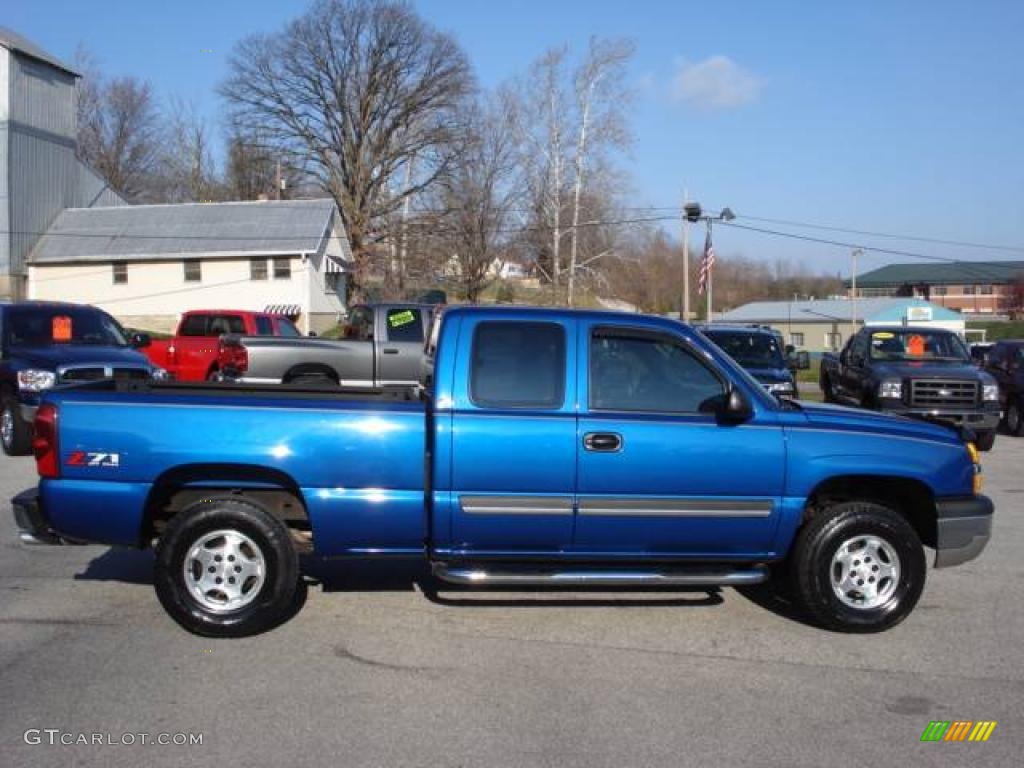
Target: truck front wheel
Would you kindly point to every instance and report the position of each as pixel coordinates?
(225, 567)
(858, 567)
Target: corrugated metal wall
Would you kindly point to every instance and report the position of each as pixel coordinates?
(42, 170)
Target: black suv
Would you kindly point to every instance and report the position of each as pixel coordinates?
(1005, 363)
(925, 373)
(760, 351)
(44, 344)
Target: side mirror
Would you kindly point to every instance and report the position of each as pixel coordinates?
(312, 334)
(802, 360)
(140, 340)
(790, 349)
(736, 407)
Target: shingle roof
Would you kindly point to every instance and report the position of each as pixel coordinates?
(830, 309)
(951, 273)
(210, 230)
(13, 41)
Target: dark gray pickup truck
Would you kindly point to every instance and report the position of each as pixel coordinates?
(924, 373)
(382, 344)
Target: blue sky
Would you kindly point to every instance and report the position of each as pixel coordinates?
(900, 117)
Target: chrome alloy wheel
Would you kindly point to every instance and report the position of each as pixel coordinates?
(7, 427)
(865, 572)
(224, 570)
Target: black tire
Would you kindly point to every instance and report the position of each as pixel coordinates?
(826, 389)
(271, 602)
(985, 440)
(213, 376)
(17, 440)
(1013, 420)
(812, 563)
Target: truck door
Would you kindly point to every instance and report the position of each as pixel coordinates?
(853, 370)
(400, 344)
(513, 436)
(658, 473)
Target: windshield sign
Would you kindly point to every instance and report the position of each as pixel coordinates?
(917, 345)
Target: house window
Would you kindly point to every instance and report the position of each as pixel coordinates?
(796, 339)
(257, 269)
(193, 271)
(120, 272)
(969, 290)
(334, 282)
(986, 290)
(938, 290)
(282, 269)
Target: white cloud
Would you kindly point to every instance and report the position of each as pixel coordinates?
(715, 83)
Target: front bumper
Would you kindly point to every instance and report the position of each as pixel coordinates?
(979, 421)
(963, 529)
(33, 525)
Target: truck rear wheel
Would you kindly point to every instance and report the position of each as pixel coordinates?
(858, 567)
(15, 434)
(985, 440)
(225, 567)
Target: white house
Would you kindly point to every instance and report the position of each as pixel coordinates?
(146, 264)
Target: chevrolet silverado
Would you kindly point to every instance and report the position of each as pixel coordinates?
(544, 446)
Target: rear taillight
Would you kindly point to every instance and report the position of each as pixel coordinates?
(44, 441)
(234, 357)
(172, 355)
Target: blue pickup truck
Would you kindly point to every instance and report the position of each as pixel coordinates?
(544, 446)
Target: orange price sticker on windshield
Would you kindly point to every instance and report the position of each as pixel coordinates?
(61, 328)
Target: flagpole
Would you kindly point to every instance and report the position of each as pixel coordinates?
(711, 273)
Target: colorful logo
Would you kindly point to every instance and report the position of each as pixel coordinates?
(958, 730)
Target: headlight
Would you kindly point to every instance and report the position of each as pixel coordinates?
(34, 380)
(990, 392)
(892, 388)
(160, 374)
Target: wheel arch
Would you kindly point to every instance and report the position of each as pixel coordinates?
(311, 369)
(179, 487)
(910, 497)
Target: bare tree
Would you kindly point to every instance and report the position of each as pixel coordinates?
(119, 132)
(188, 172)
(477, 196)
(358, 89)
(600, 103)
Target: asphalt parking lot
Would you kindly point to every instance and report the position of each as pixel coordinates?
(376, 669)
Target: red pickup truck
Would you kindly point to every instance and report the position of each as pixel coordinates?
(192, 354)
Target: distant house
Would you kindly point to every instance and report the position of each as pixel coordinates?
(821, 326)
(972, 287)
(145, 264)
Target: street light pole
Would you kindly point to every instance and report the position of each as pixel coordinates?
(684, 315)
(853, 287)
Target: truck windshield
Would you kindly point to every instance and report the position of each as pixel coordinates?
(899, 344)
(750, 350)
(41, 326)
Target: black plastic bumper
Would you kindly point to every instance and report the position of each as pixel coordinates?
(33, 526)
(978, 421)
(963, 530)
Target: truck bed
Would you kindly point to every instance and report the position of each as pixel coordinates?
(355, 456)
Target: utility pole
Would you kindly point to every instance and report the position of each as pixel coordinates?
(853, 287)
(684, 314)
(277, 179)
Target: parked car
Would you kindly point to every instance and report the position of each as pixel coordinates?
(1005, 363)
(382, 345)
(924, 373)
(546, 446)
(760, 351)
(43, 344)
(979, 352)
(192, 354)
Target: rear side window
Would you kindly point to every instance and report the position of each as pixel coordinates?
(405, 325)
(518, 365)
(263, 326)
(645, 373)
(286, 327)
(225, 324)
(194, 325)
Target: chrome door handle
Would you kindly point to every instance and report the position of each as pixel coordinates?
(603, 442)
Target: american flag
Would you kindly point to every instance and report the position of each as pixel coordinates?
(706, 265)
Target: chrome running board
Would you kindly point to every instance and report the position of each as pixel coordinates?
(604, 577)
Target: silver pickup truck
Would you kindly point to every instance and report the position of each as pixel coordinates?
(382, 344)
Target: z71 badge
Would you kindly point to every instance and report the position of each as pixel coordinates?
(93, 459)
